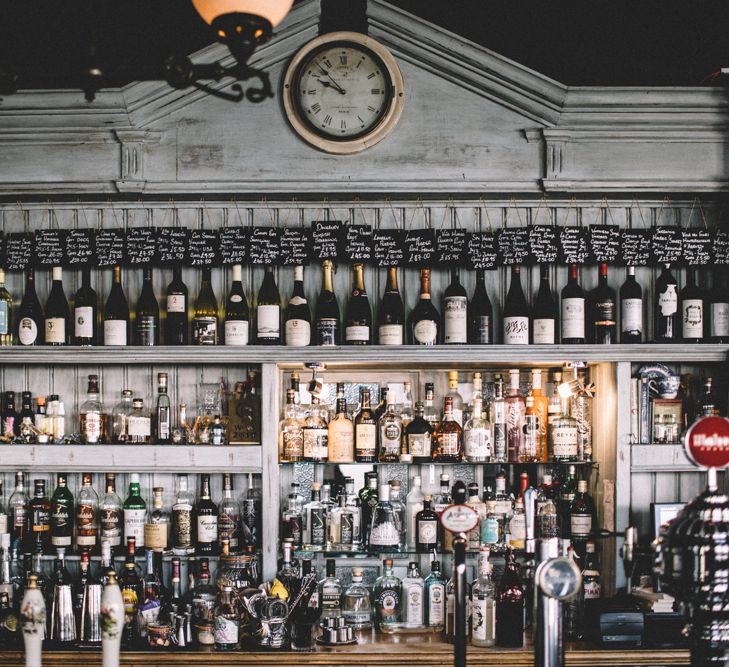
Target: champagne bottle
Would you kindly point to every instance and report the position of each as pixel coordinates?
(146, 324)
(176, 324)
(56, 317)
(424, 320)
(544, 324)
(631, 309)
(85, 312)
(573, 310)
(665, 308)
(516, 312)
(692, 309)
(297, 318)
(358, 315)
(205, 313)
(455, 311)
(268, 311)
(30, 314)
(116, 313)
(602, 310)
(391, 313)
(327, 309)
(480, 314)
(237, 314)
(6, 313)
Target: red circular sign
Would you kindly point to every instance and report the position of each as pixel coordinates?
(707, 442)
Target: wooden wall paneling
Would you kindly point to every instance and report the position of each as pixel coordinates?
(642, 494)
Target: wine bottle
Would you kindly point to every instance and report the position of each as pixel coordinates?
(480, 314)
(176, 325)
(719, 309)
(602, 310)
(665, 308)
(56, 316)
(424, 320)
(391, 313)
(631, 309)
(455, 311)
(205, 313)
(85, 312)
(692, 309)
(573, 310)
(358, 314)
(237, 314)
(327, 309)
(545, 311)
(30, 314)
(146, 324)
(116, 313)
(516, 312)
(297, 316)
(268, 311)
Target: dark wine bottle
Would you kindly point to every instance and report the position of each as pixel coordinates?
(692, 309)
(327, 309)
(176, 324)
(56, 317)
(205, 313)
(391, 313)
(665, 308)
(358, 314)
(297, 316)
(455, 311)
(573, 310)
(85, 312)
(116, 313)
(631, 309)
(516, 311)
(719, 309)
(544, 313)
(237, 314)
(480, 314)
(146, 324)
(30, 314)
(602, 310)
(268, 311)
(424, 320)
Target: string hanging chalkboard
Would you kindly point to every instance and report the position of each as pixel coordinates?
(419, 247)
(79, 248)
(172, 245)
(513, 245)
(543, 246)
(233, 245)
(326, 240)
(141, 246)
(666, 244)
(203, 247)
(264, 245)
(481, 251)
(358, 244)
(450, 245)
(389, 247)
(696, 246)
(721, 247)
(573, 245)
(294, 246)
(49, 247)
(605, 242)
(109, 247)
(18, 251)
(635, 247)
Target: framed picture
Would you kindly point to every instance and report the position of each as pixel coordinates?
(667, 420)
(662, 513)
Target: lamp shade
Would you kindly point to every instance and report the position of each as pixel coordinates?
(273, 11)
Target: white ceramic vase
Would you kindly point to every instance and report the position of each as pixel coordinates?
(112, 622)
(33, 622)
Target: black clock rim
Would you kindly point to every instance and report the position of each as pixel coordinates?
(293, 93)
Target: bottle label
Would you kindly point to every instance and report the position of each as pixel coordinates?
(357, 333)
(564, 441)
(207, 529)
(456, 319)
(390, 437)
(693, 318)
(346, 529)
(573, 318)
(604, 312)
(134, 520)
(55, 329)
(155, 536)
(720, 319)
(110, 520)
(147, 329)
(391, 334)
(293, 443)
(175, 303)
(477, 443)
(580, 525)
(316, 443)
(228, 527)
(592, 589)
(341, 446)
(425, 332)
(27, 331)
(436, 604)
(326, 330)
(318, 526)
(236, 332)
(517, 530)
(41, 520)
(419, 445)
(448, 443)
(365, 439)
(83, 322)
(86, 525)
(385, 534)
(226, 630)
(483, 618)
(61, 526)
(428, 531)
(668, 301)
(268, 321)
(414, 605)
(516, 330)
(544, 332)
(91, 427)
(490, 530)
(115, 332)
(182, 526)
(205, 331)
(632, 316)
(163, 422)
(483, 330)
(297, 300)
(139, 427)
(298, 333)
(4, 317)
(388, 603)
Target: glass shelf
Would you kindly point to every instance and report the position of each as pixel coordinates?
(384, 554)
(461, 463)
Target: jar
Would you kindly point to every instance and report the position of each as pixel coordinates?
(159, 635)
(238, 571)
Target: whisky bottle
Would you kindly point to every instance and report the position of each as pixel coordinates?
(157, 526)
(36, 519)
(541, 409)
(365, 430)
(419, 434)
(87, 514)
(91, 415)
(448, 442)
(110, 515)
(207, 520)
(390, 435)
(62, 514)
(135, 513)
(456, 398)
(229, 516)
(290, 432)
(316, 434)
(341, 435)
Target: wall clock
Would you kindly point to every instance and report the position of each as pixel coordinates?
(343, 92)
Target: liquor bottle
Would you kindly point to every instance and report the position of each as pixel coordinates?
(207, 520)
(413, 590)
(358, 314)
(567, 493)
(582, 511)
(341, 435)
(135, 513)
(666, 323)
(517, 525)
(510, 606)
(297, 316)
(455, 311)
(387, 596)
(591, 586)
(175, 602)
(87, 514)
(564, 436)
(290, 431)
(29, 324)
(315, 520)
(330, 592)
(424, 320)
(602, 311)
(530, 447)
(205, 313)
(631, 309)
(251, 516)
(315, 433)
(413, 505)
(110, 515)
(355, 507)
(455, 396)
(580, 409)
(120, 417)
(498, 420)
(10, 422)
(56, 316)
(435, 594)
(541, 409)
(85, 312)
(573, 310)
(62, 514)
(327, 309)
(426, 527)
(406, 411)
(706, 405)
(483, 603)
(116, 313)
(516, 311)
(391, 313)
(26, 419)
(38, 519)
(183, 518)
(365, 430)
(368, 497)
(130, 584)
(480, 314)
(92, 420)
(356, 604)
(547, 519)
(229, 516)
(288, 568)
(515, 407)
(163, 412)
(473, 537)
(390, 434)
(176, 323)
(18, 513)
(6, 313)
(157, 525)
(441, 500)
(418, 436)
(237, 314)
(384, 531)
(544, 322)
(139, 424)
(448, 447)
(268, 311)
(399, 509)
(146, 322)
(150, 602)
(477, 444)
(692, 309)
(431, 414)
(504, 501)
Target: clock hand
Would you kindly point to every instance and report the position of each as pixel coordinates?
(326, 84)
(336, 85)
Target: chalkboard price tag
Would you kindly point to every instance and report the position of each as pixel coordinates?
(233, 245)
(264, 245)
(294, 246)
(513, 245)
(543, 244)
(450, 245)
(635, 247)
(419, 247)
(141, 248)
(697, 245)
(667, 244)
(326, 239)
(18, 251)
(203, 247)
(389, 247)
(721, 247)
(79, 247)
(109, 247)
(50, 249)
(358, 243)
(172, 245)
(605, 242)
(481, 250)
(573, 245)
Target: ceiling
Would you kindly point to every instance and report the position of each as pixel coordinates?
(577, 42)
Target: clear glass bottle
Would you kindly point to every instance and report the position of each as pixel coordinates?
(229, 516)
(413, 597)
(87, 513)
(227, 621)
(110, 515)
(483, 603)
(413, 505)
(163, 412)
(157, 526)
(530, 446)
(564, 436)
(517, 526)
(315, 521)
(498, 420)
(430, 412)
(91, 415)
(477, 443)
(387, 596)
(120, 417)
(354, 505)
(384, 531)
(581, 411)
(356, 605)
(399, 508)
(434, 596)
(293, 517)
(315, 433)
(547, 520)
(473, 538)
(541, 410)
(330, 592)
(515, 418)
(455, 396)
(290, 432)
(390, 434)
(139, 424)
(183, 515)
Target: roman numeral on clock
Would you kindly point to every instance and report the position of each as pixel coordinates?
(315, 108)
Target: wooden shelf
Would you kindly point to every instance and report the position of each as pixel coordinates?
(660, 458)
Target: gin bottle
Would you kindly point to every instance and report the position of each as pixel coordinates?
(356, 605)
(434, 596)
(412, 592)
(387, 597)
